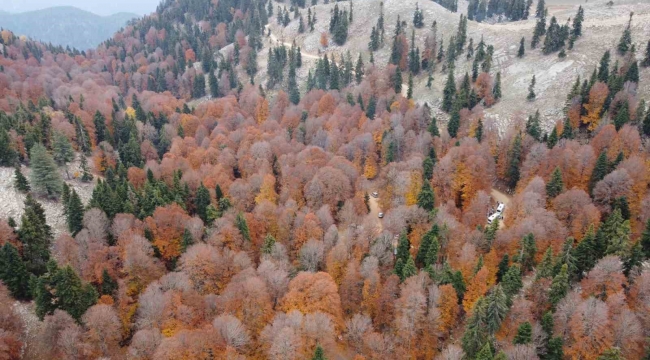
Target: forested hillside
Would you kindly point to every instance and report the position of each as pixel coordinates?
(256, 197)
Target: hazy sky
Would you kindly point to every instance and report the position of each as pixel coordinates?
(100, 7)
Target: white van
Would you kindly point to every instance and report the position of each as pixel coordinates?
(492, 217)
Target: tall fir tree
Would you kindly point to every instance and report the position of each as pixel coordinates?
(522, 48)
(13, 272)
(531, 90)
(242, 225)
(201, 202)
(625, 42)
(524, 334)
(45, 177)
(515, 160)
(75, 213)
(8, 155)
(555, 185)
(20, 181)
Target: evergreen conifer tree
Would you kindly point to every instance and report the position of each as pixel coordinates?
(555, 186)
(7, 153)
(449, 93)
(645, 240)
(454, 121)
(201, 202)
(20, 181)
(45, 177)
(101, 131)
(522, 48)
(86, 176)
(625, 43)
(269, 243)
(426, 198)
(75, 213)
(13, 272)
(524, 334)
(515, 159)
(242, 225)
(409, 269)
(61, 288)
(496, 92)
(531, 90)
(109, 286)
(319, 354)
(559, 286)
(622, 116)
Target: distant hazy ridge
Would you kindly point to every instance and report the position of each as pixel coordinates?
(65, 26)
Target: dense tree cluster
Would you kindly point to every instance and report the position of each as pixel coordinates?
(243, 227)
(514, 10)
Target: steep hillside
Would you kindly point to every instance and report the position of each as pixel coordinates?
(65, 26)
(602, 29)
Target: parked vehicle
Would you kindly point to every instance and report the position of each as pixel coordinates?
(375, 194)
(381, 215)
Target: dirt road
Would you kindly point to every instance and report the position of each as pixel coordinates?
(500, 197)
(374, 213)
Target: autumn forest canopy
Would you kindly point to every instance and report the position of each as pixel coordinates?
(232, 211)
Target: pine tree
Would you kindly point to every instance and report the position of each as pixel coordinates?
(7, 153)
(269, 243)
(426, 197)
(45, 176)
(449, 93)
(511, 281)
(430, 80)
(187, 240)
(577, 23)
(567, 129)
(545, 267)
(242, 225)
(503, 267)
(485, 353)
(555, 186)
(319, 354)
(645, 240)
(86, 176)
(409, 92)
(524, 334)
(625, 43)
(201, 202)
(522, 49)
(198, 89)
(533, 127)
(358, 70)
(101, 131)
(540, 30)
(515, 160)
(213, 83)
(496, 92)
(75, 213)
(13, 272)
(476, 334)
(62, 150)
(622, 116)
(397, 81)
(409, 269)
(541, 9)
(62, 289)
(559, 286)
(454, 121)
(496, 309)
(20, 181)
(402, 256)
(554, 349)
(109, 286)
(478, 134)
(603, 68)
(632, 74)
(531, 90)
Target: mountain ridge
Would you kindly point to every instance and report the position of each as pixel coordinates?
(65, 25)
